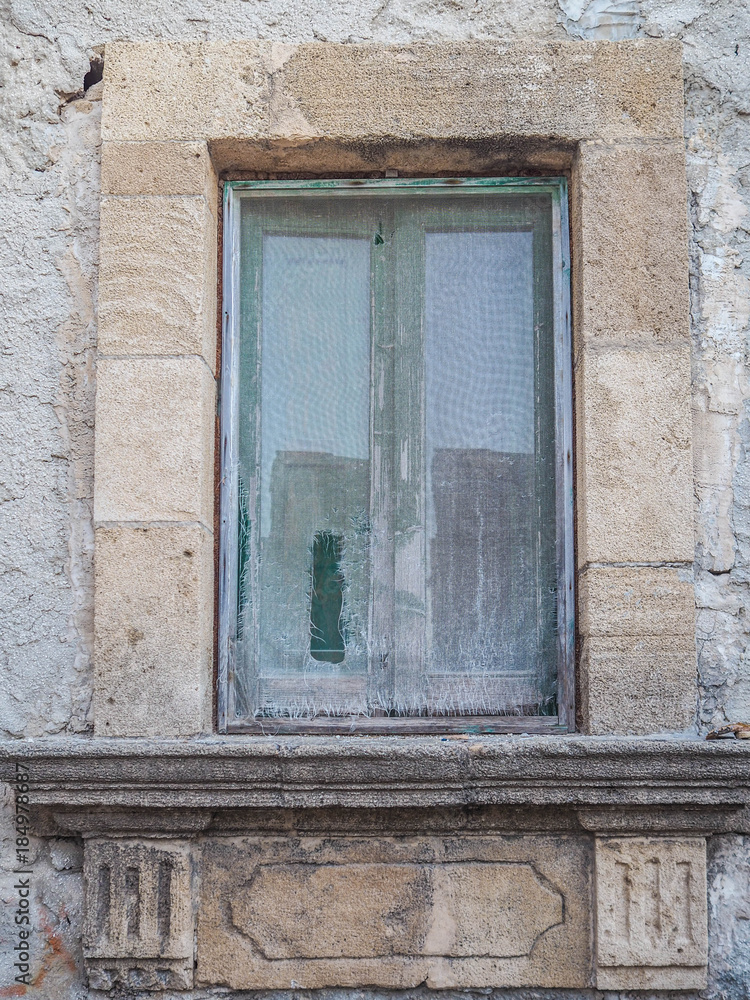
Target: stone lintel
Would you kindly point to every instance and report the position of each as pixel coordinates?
(166, 91)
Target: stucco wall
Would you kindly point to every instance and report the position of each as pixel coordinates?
(49, 256)
(48, 265)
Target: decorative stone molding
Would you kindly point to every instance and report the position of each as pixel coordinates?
(173, 782)
(651, 913)
(489, 862)
(139, 914)
(297, 772)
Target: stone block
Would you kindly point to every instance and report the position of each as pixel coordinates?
(651, 913)
(276, 913)
(636, 601)
(629, 229)
(184, 91)
(159, 168)
(636, 686)
(138, 930)
(155, 421)
(153, 625)
(474, 89)
(634, 456)
(569, 90)
(157, 277)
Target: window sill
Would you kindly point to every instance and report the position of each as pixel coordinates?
(454, 727)
(661, 783)
(244, 812)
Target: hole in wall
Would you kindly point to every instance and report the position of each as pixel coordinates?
(95, 73)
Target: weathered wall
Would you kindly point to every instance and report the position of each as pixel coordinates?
(49, 246)
(49, 133)
(729, 916)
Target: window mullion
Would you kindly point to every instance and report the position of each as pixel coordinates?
(382, 506)
(410, 560)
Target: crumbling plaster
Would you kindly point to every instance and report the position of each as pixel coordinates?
(48, 259)
(49, 247)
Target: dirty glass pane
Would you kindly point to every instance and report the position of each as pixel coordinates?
(396, 467)
(490, 630)
(314, 391)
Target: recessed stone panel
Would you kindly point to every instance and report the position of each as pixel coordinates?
(311, 913)
(401, 909)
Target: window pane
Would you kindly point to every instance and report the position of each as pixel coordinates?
(489, 627)
(396, 455)
(315, 479)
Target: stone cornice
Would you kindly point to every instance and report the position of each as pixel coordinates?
(380, 772)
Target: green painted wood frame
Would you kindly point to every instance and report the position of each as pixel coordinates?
(390, 498)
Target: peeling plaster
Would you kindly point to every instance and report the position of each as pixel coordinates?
(602, 19)
(49, 198)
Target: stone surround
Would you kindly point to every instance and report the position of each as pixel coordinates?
(177, 118)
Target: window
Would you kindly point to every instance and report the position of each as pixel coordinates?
(396, 491)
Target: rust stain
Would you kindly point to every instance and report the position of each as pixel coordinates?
(54, 952)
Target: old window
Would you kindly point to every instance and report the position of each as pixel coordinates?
(396, 503)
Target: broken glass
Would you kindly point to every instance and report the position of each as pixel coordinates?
(398, 539)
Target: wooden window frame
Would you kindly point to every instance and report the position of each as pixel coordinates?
(556, 187)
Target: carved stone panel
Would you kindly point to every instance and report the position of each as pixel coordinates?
(139, 915)
(401, 909)
(394, 912)
(651, 913)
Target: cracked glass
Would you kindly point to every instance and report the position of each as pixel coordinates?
(396, 532)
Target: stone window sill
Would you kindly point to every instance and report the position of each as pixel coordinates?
(663, 783)
(242, 825)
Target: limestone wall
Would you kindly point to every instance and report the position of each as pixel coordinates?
(49, 181)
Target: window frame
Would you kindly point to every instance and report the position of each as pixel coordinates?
(564, 721)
